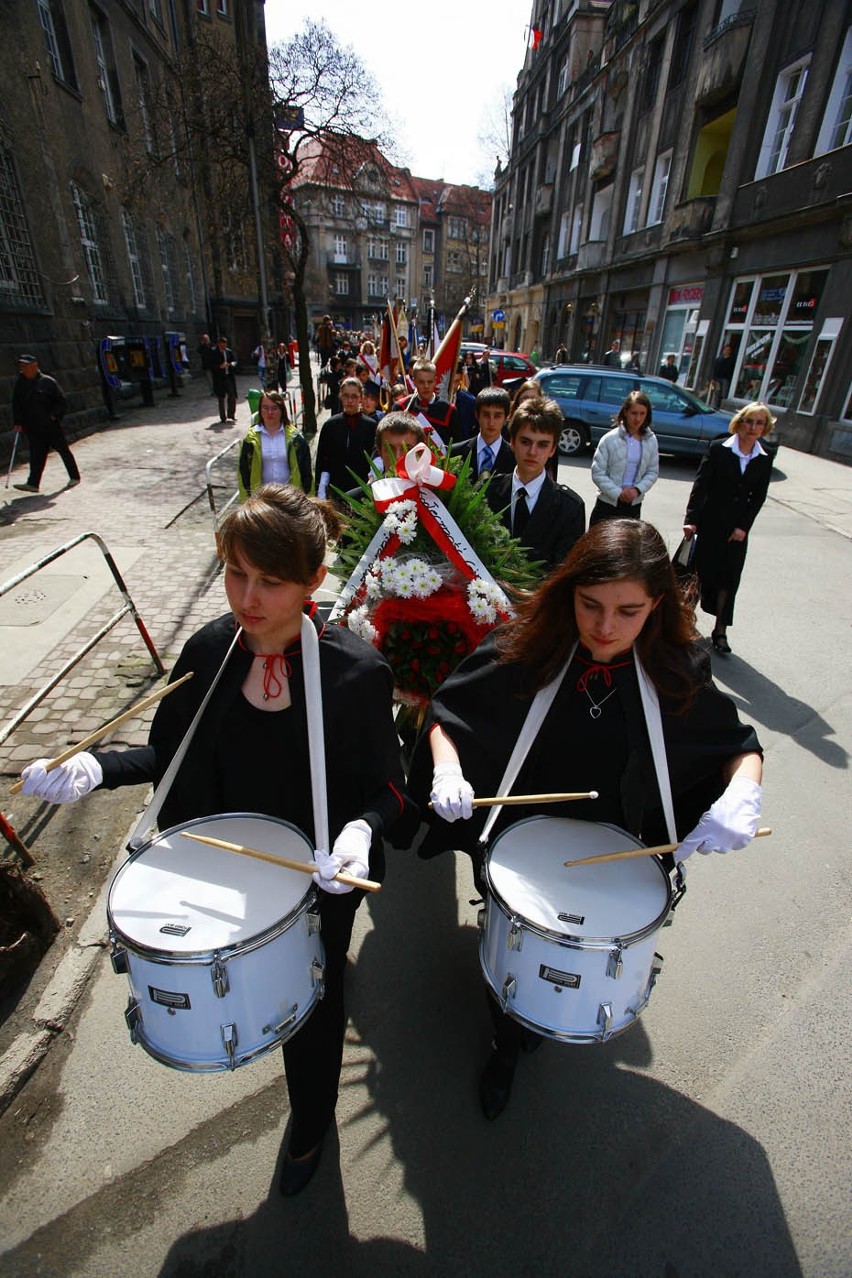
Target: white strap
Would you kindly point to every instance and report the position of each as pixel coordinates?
(148, 819)
(537, 713)
(654, 723)
(316, 740)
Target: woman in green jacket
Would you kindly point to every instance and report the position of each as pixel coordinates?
(273, 451)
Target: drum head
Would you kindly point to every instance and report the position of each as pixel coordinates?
(186, 897)
(599, 902)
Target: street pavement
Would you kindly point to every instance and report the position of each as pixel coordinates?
(710, 1139)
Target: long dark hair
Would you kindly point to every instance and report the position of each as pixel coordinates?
(544, 628)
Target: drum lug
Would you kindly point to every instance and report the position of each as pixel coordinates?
(679, 893)
(313, 920)
(515, 937)
(604, 1020)
(480, 918)
(133, 1016)
(119, 961)
(219, 977)
(510, 986)
(318, 976)
(229, 1039)
(615, 963)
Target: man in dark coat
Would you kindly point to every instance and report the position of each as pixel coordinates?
(490, 451)
(222, 363)
(38, 406)
(437, 416)
(547, 518)
(668, 369)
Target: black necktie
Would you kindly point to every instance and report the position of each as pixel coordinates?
(522, 513)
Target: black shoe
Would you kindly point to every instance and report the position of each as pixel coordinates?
(495, 1087)
(297, 1172)
(720, 643)
(26, 488)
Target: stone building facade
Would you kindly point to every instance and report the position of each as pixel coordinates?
(680, 179)
(109, 223)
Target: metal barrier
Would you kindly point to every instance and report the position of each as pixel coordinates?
(6, 830)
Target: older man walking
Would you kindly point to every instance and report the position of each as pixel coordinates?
(38, 406)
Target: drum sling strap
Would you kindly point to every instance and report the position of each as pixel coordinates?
(537, 713)
(316, 745)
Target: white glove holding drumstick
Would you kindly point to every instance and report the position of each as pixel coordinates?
(350, 854)
(65, 783)
(732, 821)
(452, 796)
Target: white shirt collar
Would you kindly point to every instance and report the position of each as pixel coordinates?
(533, 488)
(734, 444)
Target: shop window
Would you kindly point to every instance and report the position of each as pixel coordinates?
(820, 360)
(836, 127)
(770, 326)
(781, 123)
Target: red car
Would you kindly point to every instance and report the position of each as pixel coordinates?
(507, 366)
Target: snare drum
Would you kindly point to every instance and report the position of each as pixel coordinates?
(222, 951)
(570, 952)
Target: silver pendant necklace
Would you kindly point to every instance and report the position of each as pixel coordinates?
(595, 708)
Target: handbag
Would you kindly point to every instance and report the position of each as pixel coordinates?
(683, 560)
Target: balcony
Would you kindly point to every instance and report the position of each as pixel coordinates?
(692, 219)
(342, 261)
(590, 256)
(723, 63)
(544, 200)
(604, 154)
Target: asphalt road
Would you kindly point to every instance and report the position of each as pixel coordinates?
(710, 1139)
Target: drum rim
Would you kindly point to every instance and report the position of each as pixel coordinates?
(171, 958)
(571, 940)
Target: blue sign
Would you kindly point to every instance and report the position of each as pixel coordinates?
(498, 316)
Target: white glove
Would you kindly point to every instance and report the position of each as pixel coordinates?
(351, 854)
(730, 823)
(65, 784)
(452, 796)
(322, 486)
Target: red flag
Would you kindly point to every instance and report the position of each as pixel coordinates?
(535, 35)
(446, 357)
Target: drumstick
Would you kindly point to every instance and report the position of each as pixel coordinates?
(659, 850)
(306, 867)
(144, 704)
(509, 799)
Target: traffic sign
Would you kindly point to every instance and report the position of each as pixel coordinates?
(498, 316)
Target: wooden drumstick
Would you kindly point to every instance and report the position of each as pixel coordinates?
(509, 799)
(305, 867)
(144, 704)
(659, 850)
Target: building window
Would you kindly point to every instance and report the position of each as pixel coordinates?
(341, 284)
(837, 122)
(820, 360)
(428, 241)
(338, 205)
(203, 8)
(373, 285)
(140, 71)
(545, 255)
(599, 228)
(683, 45)
(223, 8)
(401, 255)
(657, 203)
(165, 247)
(89, 241)
(634, 201)
(652, 73)
(52, 19)
(19, 278)
(382, 250)
(155, 8)
(134, 258)
(374, 211)
(234, 242)
(107, 74)
(401, 286)
(384, 287)
(770, 326)
(782, 119)
(400, 215)
(562, 82)
(428, 276)
(454, 261)
(576, 228)
(341, 247)
(457, 228)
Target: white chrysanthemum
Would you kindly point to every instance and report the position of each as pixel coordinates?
(359, 623)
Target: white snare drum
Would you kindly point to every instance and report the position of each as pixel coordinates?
(570, 952)
(222, 951)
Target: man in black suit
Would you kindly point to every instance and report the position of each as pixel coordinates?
(546, 518)
(222, 365)
(491, 452)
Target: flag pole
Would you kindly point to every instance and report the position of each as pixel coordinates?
(396, 340)
(451, 331)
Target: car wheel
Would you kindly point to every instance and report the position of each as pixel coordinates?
(573, 439)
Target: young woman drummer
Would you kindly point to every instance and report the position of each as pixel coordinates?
(250, 754)
(614, 613)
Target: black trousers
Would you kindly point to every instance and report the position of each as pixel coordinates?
(226, 390)
(41, 439)
(314, 1055)
(602, 510)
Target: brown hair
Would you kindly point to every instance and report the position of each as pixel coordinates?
(399, 424)
(541, 634)
(529, 385)
(281, 531)
(635, 397)
(276, 398)
(543, 415)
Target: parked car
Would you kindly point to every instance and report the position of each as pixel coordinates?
(507, 366)
(590, 397)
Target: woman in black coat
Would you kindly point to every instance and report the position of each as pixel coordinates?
(729, 490)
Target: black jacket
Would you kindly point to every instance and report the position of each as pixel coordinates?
(37, 403)
(345, 444)
(557, 520)
(504, 461)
